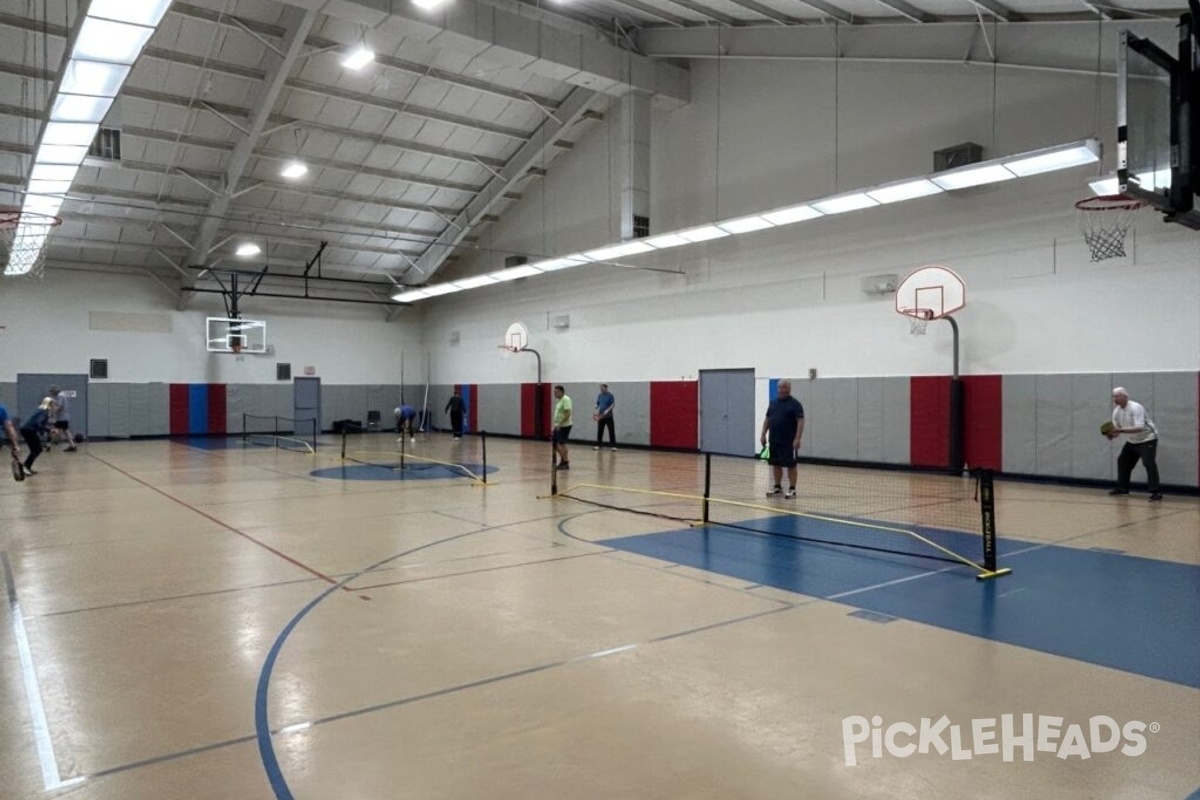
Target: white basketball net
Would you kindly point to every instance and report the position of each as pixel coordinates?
(918, 320)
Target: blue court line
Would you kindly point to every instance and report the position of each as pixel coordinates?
(1134, 614)
(262, 724)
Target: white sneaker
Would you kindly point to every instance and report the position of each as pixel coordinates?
(614, 449)
(597, 447)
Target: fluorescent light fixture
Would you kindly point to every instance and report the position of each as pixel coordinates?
(667, 240)
(43, 204)
(139, 12)
(746, 224)
(410, 296)
(428, 5)
(358, 58)
(53, 172)
(115, 42)
(907, 190)
(93, 78)
(61, 154)
(76, 133)
(703, 234)
(1054, 158)
(440, 288)
(786, 216)
(618, 251)
(475, 282)
(553, 264)
(247, 249)
(511, 274)
(294, 169)
(80, 108)
(1106, 185)
(844, 203)
(49, 187)
(974, 175)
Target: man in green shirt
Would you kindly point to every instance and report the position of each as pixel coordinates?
(562, 426)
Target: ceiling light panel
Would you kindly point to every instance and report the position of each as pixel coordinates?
(114, 42)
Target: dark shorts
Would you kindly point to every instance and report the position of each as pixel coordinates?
(783, 456)
(562, 434)
(62, 424)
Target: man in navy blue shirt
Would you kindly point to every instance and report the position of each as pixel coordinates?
(785, 424)
(405, 414)
(605, 404)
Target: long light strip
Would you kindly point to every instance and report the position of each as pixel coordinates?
(109, 41)
(1036, 162)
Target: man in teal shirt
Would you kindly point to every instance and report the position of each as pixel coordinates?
(562, 426)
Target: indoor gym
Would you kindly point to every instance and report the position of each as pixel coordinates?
(238, 233)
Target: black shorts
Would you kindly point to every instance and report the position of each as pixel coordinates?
(783, 456)
(562, 434)
(62, 424)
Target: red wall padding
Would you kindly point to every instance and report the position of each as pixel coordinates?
(216, 408)
(528, 393)
(473, 408)
(674, 414)
(180, 403)
(929, 421)
(984, 412)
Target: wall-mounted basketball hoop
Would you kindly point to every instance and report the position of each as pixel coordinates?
(516, 340)
(929, 293)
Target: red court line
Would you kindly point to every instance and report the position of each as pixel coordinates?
(223, 524)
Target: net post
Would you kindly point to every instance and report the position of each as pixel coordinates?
(403, 451)
(245, 433)
(483, 444)
(553, 469)
(987, 511)
(707, 487)
(343, 443)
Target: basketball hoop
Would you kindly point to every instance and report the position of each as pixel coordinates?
(23, 237)
(918, 319)
(1104, 221)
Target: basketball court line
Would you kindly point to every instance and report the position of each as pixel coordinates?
(51, 779)
(293, 561)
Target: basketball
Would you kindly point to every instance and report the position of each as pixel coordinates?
(1107, 428)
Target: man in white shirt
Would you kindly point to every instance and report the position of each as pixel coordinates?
(1130, 419)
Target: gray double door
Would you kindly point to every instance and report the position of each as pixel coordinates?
(32, 387)
(727, 411)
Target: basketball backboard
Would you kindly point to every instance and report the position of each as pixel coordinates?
(1158, 122)
(931, 292)
(236, 335)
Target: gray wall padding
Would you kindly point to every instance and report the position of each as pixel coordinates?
(120, 422)
(499, 408)
(1053, 425)
(99, 395)
(631, 416)
(1091, 405)
(871, 406)
(897, 413)
(1019, 424)
(817, 399)
(1175, 414)
(159, 420)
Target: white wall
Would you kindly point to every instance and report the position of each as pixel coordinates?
(47, 330)
(789, 299)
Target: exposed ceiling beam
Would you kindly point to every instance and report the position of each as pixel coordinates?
(832, 12)
(997, 9)
(510, 38)
(705, 12)
(767, 12)
(532, 154)
(905, 10)
(299, 23)
(651, 11)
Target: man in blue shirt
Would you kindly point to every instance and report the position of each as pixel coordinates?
(605, 403)
(6, 421)
(405, 414)
(785, 424)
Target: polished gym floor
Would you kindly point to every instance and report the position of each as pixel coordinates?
(208, 620)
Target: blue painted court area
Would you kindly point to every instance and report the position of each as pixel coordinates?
(392, 472)
(1133, 614)
(213, 442)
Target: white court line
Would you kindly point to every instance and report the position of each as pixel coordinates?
(840, 595)
(51, 780)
